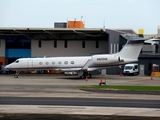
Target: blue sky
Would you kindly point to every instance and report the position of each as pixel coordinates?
(133, 14)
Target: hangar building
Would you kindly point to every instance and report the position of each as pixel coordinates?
(66, 39)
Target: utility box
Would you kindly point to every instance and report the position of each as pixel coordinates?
(60, 25)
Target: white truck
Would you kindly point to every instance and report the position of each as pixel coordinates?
(131, 69)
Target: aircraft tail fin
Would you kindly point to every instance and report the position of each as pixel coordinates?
(132, 48)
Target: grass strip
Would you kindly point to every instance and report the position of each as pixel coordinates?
(121, 87)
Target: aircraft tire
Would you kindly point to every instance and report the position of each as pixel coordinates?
(15, 76)
(82, 76)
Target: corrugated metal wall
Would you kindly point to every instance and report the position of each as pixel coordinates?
(114, 39)
(148, 61)
(74, 48)
(2, 48)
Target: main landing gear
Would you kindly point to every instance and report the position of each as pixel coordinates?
(17, 73)
(86, 74)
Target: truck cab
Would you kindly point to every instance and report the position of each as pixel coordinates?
(131, 69)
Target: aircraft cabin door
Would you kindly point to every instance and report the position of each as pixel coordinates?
(30, 63)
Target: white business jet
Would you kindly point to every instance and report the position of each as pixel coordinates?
(82, 65)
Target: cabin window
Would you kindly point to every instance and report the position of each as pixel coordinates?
(59, 62)
(47, 63)
(72, 62)
(53, 63)
(40, 63)
(66, 62)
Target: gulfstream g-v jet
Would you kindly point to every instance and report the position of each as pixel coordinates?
(82, 64)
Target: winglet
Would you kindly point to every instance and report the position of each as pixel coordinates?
(85, 67)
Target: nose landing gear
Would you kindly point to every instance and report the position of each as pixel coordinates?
(17, 73)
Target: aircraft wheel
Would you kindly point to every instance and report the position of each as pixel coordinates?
(82, 77)
(15, 76)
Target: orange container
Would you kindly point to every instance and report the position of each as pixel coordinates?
(75, 24)
(3, 61)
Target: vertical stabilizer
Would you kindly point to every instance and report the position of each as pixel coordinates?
(132, 48)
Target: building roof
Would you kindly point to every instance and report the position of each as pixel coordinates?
(55, 33)
(129, 31)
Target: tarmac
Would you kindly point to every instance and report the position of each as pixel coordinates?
(34, 85)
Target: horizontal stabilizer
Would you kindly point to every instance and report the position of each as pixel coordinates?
(153, 41)
(136, 40)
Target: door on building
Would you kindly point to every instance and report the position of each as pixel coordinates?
(103, 71)
(30, 63)
(141, 69)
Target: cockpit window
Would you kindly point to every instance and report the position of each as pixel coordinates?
(17, 61)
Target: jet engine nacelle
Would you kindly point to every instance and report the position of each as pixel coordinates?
(105, 59)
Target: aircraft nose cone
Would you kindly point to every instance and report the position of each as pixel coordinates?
(7, 67)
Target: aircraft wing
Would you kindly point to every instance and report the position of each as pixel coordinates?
(86, 65)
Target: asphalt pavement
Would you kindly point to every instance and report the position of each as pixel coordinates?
(58, 94)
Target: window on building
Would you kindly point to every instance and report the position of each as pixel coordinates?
(65, 44)
(55, 44)
(83, 44)
(18, 45)
(97, 44)
(149, 66)
(40, 43)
